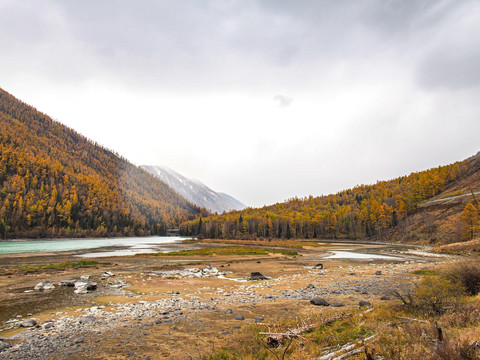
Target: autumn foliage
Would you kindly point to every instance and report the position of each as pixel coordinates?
(364, 211)
(55, 182)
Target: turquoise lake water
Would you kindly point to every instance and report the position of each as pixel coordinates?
(131, 245)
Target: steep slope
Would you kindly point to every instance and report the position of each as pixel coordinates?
(55, 182)
(439, 219)
(388, 210)
(195, 191)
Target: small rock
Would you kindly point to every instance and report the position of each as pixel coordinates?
(239, 317)
(259, 319)
(379, 272)
(87, 320)
(319, 302)
(4, 345)
(362, 303)
(28, 323)
(44, 285)
(318, 266)
(78, 340)
(338, 304)
(85, 277)
(310, 286)
(67, 282)
(119, 284)
(385, 298)
(229, 311)
(257, 276)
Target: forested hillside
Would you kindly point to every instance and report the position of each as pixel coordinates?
(362, 212)
(55, 182)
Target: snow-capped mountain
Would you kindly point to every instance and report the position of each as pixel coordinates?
(194, 190)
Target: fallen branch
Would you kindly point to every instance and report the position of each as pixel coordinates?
(412, 319)
(349, 354)
(276, 339)
(346, 350)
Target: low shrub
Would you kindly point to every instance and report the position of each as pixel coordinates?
(436, 294)
(467, 276)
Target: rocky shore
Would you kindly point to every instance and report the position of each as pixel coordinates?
(150, 308)
(67, 334)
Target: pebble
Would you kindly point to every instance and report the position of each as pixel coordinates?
(87, 320)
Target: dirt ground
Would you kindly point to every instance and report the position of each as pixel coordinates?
(195, 332)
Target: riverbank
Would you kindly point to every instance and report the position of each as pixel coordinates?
(168, 310)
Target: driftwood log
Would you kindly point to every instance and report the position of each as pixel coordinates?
(275, 339)
(349, 350)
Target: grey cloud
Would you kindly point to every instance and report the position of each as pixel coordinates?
(452, 69)
(329, 51)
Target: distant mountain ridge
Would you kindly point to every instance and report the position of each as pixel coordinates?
(195, 191)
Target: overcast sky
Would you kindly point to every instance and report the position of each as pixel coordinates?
(263, 100)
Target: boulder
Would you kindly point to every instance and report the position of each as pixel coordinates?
(362, 303)
(385, 298)
(318, 266)
(319, 302)
(257, 276)
(259, 319)
(87, 320)
(239, 317)
(229, 311)
(83, 286)
(44, 285)
(310, 286)
(28, 323)
(210, 271)
(67, 282)
(337, 304)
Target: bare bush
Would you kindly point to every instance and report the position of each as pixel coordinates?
(467, 276)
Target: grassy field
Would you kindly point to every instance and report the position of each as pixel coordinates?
(39, 268)
(228, 250)
(295, 244)
(393, 331)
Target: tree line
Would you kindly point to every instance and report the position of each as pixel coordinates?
(364, 211)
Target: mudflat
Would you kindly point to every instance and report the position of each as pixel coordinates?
(190, 306)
